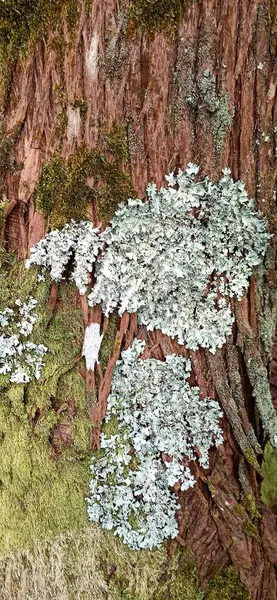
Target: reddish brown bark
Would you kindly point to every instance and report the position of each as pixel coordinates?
(145, 81)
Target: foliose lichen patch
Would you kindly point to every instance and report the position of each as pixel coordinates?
(152, 413)
(176, 259)
(20, 358)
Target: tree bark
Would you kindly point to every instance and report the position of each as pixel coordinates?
(160, 87)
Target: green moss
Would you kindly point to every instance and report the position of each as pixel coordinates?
(61, 127)
(62, 192)
(40, 496)
(250, 505)
(226, 585)
(22, 22)
(59, 92)
(3, 205)
(133, 520)
(7, 141)
(250, 529)
(114, 142)
(239, 510)
(272, 15)
(269, 484)
(251, 457)
(72, 13)
(82, 105)
(248, 512)
(85, 565)
(158, 14)
(180, 581)
(45, 428)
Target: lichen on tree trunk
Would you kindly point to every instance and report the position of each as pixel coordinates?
(201, 90)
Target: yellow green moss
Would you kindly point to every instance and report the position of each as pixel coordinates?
(226, 585)
(250, 529)
(250, 505)
(180, 580)
(158, 14)
(63, 193)
(44, 477)
(61, 127)
(7, 161)
(239, 510)
(247, 510)
(22, 22)
(3, 205)
(82, 105)
(272, 15)
(85, 565)
(269, 484)
(251, 457)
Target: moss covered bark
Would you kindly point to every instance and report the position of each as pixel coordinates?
(66, 189)
(44, 426)
(197, 94)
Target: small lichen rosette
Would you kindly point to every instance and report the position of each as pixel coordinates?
(20, 358)
(178, 258)
(155, 425)
(78, 242)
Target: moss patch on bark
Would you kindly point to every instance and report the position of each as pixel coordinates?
(180, 580)
(269, 484)
(84, 565)
(226, 585)
(158, 14)
(23, 22)
(66, 188)
(44, 426)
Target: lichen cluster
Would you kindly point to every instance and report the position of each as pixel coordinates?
(19, 358)
(177, 259)
(152, 413)
(78, 242)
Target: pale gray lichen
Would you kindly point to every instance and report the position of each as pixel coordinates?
(22, 360)
(77, 240)
(175, 260)
(159, 426)
(178, 258)
(200, 93)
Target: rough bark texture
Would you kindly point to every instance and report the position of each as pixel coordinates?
(158, 87)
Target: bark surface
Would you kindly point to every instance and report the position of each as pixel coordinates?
(205, 92)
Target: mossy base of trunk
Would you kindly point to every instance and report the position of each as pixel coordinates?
(44, 425)
(91, 564)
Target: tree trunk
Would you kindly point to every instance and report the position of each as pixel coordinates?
(203, 91)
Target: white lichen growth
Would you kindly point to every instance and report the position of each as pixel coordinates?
(177, 259)
(155, 425)
(21, 359)
(91, 346)
(78, 242)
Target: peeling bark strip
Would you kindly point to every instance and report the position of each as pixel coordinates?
(205, 93)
